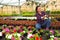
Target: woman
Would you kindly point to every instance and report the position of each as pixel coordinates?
(42, 19)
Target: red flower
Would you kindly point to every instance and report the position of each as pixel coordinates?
(21, 26)
(40, 38)
(31, 36)
(37, 38)
(15, 30)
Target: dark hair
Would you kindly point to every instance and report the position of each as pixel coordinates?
(37, 8)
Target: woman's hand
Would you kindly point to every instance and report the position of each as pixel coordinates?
(44, 17)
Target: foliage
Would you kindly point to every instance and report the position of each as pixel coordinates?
(27, 14)
(55, 12)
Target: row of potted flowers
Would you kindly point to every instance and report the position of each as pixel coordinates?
(29, 33)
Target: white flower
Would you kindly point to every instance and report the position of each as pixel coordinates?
(29, 35)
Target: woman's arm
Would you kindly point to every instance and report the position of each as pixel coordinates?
(45, 16)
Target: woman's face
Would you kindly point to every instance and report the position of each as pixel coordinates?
(39, 9)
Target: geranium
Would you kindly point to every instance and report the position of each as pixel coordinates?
(37, 38)
(51, 37)
(55, 38)
(52, 31)
(30, 36)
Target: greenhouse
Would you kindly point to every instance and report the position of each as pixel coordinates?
(29, 19)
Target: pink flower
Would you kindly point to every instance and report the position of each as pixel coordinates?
(55, 38)
(7, 30)
(31, 36)
(12, 38)
(52, 31)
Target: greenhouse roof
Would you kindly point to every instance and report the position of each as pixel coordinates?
(18, 2)
(12, 2)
